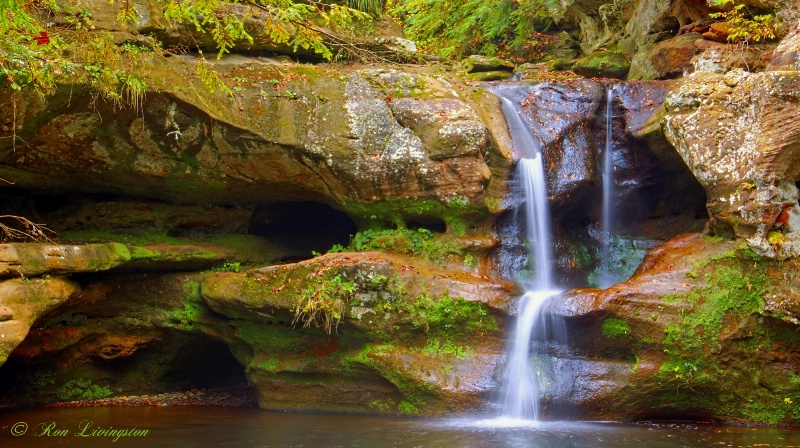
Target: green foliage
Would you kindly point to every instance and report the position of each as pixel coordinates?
(82, 389)
(286, 22)
(324, 306)
(680, 372)
(193, 307)
(37, 54)
(407, 407)
(271, 365)
(615, 328)
(373, 7)
(437, 346)
(745, 27)
(230, 266)
(420, 242)
(449, 317)
(492, 28)
(470, 260)
(210, 78)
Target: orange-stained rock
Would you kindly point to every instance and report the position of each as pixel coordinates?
(705, 329)
(22, 301)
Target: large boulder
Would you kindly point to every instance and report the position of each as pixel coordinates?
(704, 330)
(477, 63)
(738, 135)
(669, 58)
(292, 133)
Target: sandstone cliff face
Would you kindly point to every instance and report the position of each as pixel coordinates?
(737, 134)
(413, 338)
(192, 181)
(174, 188)
(336, 137)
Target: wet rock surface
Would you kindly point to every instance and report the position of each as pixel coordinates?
(413, 338)
(656, 196)
(694, 332)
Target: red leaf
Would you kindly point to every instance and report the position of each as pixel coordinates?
(42, 38)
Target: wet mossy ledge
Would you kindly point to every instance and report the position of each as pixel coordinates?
(357, 332)
(706, 327)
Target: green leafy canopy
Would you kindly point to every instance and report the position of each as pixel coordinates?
(46, 42)
(493, 27)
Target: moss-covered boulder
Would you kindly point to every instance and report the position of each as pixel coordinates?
(603, 64)
(478, 63)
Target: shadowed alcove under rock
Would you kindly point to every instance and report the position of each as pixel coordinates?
(300, 228)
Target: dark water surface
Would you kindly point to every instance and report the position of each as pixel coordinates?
(221, 427)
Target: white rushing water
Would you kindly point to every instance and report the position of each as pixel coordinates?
(606, 275)
(522, 381)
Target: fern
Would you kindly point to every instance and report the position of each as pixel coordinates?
(210, 78)
(373, 7)
(477, 26)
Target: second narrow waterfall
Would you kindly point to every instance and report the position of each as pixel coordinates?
(521, 389)
(606, 274)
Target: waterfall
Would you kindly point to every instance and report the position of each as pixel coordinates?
(606, 275)
(521, 390)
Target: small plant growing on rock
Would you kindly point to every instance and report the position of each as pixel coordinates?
(324, 307)
(742, 28)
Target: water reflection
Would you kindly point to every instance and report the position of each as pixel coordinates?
(212, 427)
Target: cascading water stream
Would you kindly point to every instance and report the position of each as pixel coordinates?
(606, 274)
(521, 388)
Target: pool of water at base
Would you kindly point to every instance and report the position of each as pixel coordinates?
(224, 427)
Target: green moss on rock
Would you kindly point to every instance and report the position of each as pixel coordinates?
(603, 64)
(721, 351)
(616, 328)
